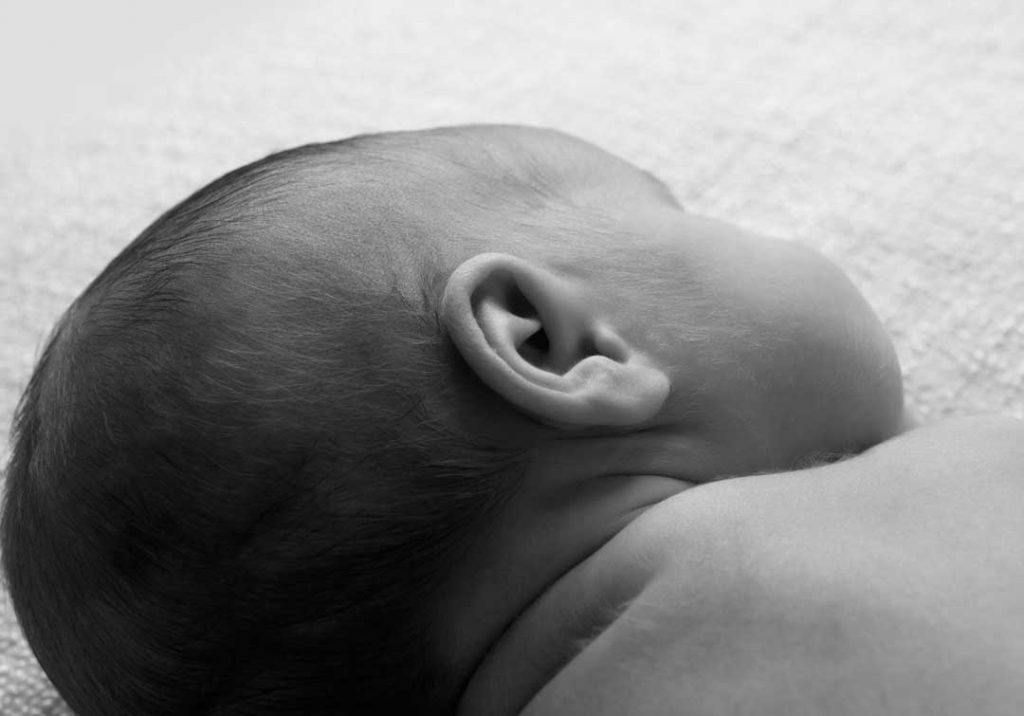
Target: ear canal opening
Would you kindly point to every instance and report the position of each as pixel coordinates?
(536, 348)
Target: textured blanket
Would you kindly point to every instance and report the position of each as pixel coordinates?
(886, 133)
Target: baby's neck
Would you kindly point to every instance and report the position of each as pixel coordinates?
(572, 546)
(553, 629)
(671, 561)
(682, 546)
(577, 495)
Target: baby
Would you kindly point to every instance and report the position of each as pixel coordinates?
(436, 422)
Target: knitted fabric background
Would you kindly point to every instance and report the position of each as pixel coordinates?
(886, 133)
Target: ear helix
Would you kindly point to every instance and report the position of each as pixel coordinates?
(534, 339)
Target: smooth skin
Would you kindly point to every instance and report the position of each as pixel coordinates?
(627, 575)
(890, 583)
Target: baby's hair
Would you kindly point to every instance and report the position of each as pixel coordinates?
(238, 475)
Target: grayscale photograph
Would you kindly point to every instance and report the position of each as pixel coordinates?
(512, 358)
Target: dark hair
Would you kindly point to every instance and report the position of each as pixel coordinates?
(238, 477)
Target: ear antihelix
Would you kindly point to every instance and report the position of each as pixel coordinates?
(508, 334)
(496, 319)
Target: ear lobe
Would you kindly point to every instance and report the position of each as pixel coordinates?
(532, 338)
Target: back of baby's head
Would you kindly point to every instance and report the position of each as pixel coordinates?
(242, 466)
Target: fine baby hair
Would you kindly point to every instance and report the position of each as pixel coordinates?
(240, 468)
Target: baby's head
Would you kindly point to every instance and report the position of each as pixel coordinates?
(313, 440)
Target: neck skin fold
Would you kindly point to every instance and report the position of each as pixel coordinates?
(537, 583)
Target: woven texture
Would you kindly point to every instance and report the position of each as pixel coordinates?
(886, 133)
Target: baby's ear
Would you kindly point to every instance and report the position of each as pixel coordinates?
(532, 337)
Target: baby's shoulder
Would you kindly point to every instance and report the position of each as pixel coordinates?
(792, 578)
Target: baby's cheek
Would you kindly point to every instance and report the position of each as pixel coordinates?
(869, 403)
